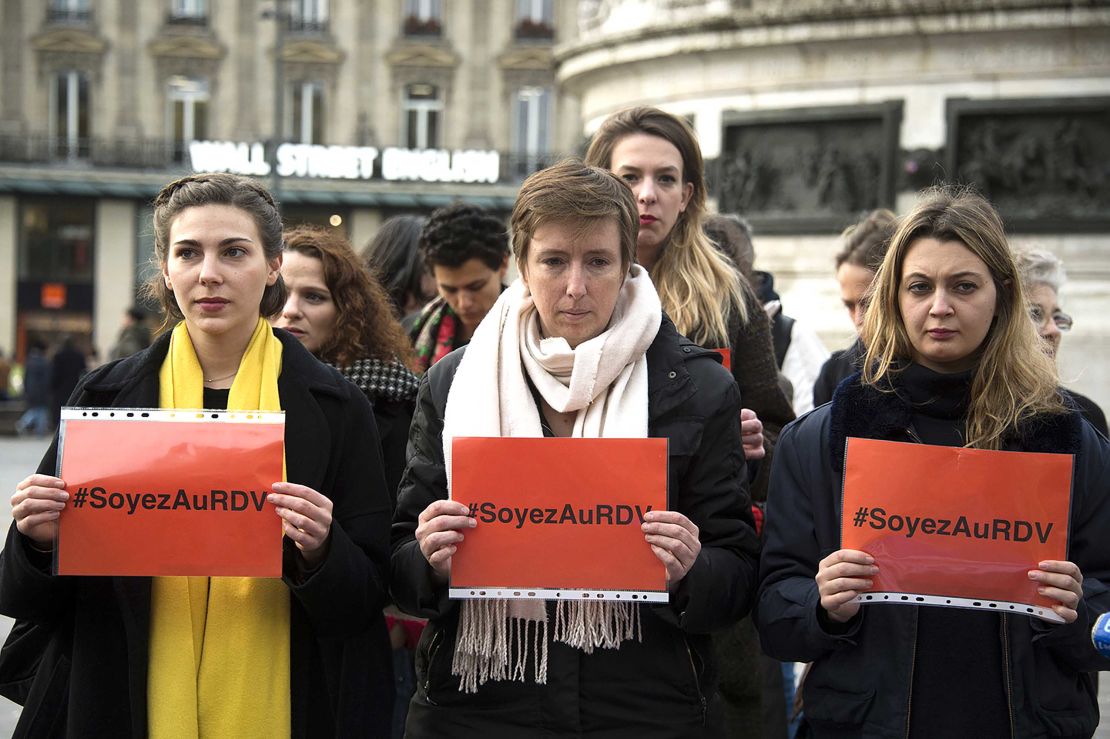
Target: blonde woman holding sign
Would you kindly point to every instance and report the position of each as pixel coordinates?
(577, 347)
(952, 359)
(198, 656)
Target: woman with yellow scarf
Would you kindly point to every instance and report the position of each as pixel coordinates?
(306, 655)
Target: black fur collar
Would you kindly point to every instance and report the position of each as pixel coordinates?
(868, 413)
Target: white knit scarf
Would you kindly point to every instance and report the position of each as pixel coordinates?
(604, 380)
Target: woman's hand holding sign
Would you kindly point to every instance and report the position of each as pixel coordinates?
(1060, 581)
(306, 518)
(36, 505)
(674, 540)
(842, 576)
(439, 531)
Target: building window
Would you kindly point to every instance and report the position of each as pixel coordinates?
(421, 112)
(69, 114)
(535, 19)
(308, 16)
(69, 11)
(188, 113)
(56, 241)
(531, 129)
(304, 123)
(423, 17)
(189, 12)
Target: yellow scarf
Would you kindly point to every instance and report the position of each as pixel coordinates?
(219, 647)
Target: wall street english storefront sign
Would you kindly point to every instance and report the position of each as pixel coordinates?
(348, 162)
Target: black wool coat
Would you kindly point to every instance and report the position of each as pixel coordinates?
(860, 683)
(92, 680)
(663, 686)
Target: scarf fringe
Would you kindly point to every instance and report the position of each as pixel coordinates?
(493, 645)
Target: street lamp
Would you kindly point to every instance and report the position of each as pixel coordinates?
(281, 14)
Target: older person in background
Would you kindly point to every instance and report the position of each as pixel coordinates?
(1042, 274)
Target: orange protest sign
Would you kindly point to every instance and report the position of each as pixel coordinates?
(158, 492)
(726, 358)
(558, 518)
(956, 527)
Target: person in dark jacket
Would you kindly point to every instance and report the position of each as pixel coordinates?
(951, 360)
(122, 656)
(1042, 274)
(341, 314)
(863, 246)
(574, 234)
(658, 156)
(36, 391)
(134, 336)
(66, 368)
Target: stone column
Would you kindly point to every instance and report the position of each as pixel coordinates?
(9, 241)
(127, 80)
(12, 50)
(113, 268)
(245, 69)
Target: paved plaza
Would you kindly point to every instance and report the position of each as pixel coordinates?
(19, 457)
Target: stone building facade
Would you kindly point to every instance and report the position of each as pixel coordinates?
(813, 111)
(367, 108)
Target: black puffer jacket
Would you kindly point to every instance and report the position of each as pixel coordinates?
(660, 687)
(860, 684)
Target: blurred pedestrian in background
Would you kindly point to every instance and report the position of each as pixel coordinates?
(36, 391)
(67, 366)
(134, 336)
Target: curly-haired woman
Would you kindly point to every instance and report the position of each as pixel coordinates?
(340, 313)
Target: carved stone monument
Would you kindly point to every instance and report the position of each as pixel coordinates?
(807, 170)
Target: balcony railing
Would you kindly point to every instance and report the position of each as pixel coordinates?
(308, 26)
(69, 16)
(149, 154)
(198, 20)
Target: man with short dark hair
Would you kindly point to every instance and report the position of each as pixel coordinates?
(467, 250)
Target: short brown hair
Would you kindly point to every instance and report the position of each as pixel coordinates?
(215, 189)
(574, 192)
(365, 325)
(864, 244)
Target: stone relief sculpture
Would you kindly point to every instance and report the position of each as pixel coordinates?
(1037, 165)
(790, 170)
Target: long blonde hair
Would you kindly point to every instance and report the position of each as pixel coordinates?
(1014, 378)
(700, 290)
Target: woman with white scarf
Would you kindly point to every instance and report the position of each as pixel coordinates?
(578, 346)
